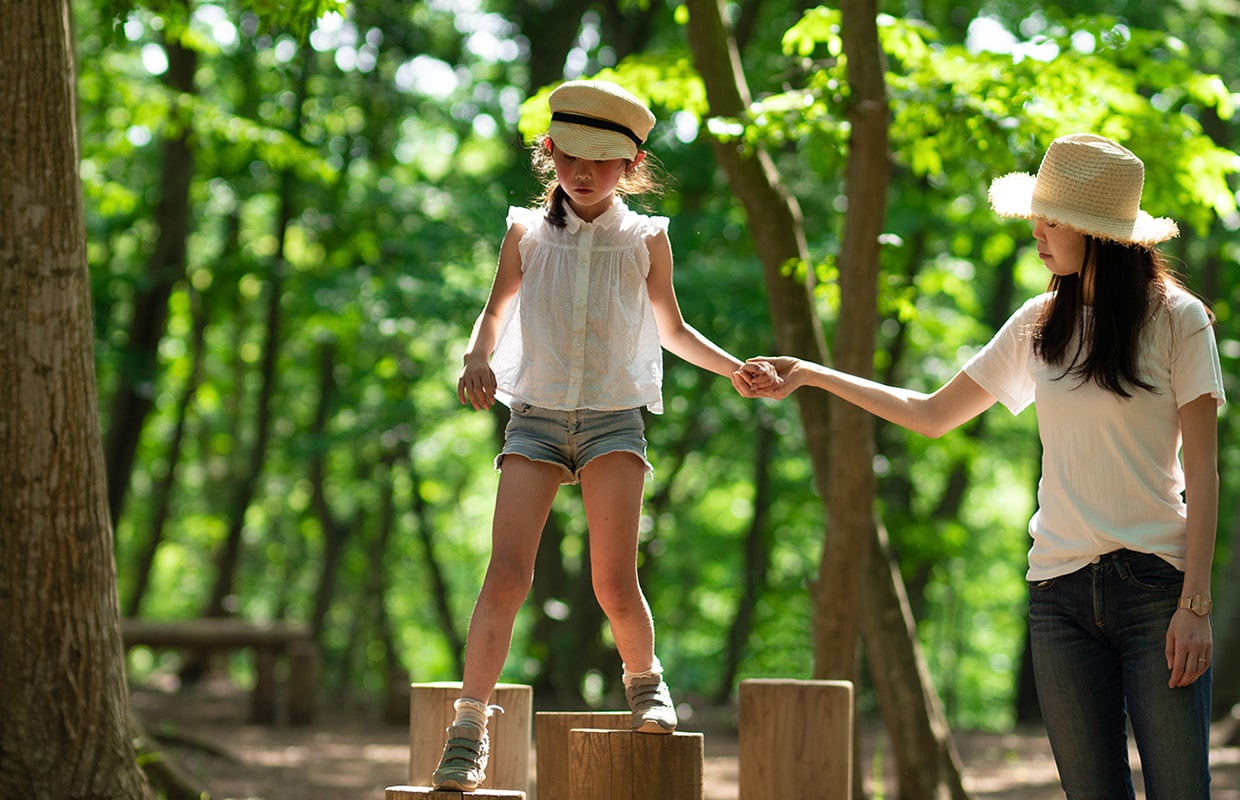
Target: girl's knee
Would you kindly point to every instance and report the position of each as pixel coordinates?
(618, 595)
(506, 581)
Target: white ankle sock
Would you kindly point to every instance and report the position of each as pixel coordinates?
(655, 671)
(475, 712)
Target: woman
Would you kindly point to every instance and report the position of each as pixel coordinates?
(1122, 366)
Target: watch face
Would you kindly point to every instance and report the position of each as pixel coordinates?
(1199, 605)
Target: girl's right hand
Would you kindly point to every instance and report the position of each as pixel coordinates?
(786, 380)
(477, 384)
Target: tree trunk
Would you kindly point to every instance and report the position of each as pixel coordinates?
(845, 479)
(927, 764)
(135, 396)
(161, 495)
(850, 487)
(775, 225)
(64, 723)
(228, 556)
(757, 561)
(335, 531)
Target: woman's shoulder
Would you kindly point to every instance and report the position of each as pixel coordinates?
(1034, 305)
(1184, 306)
(1180, 297)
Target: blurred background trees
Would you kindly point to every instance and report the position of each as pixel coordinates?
(291, 229)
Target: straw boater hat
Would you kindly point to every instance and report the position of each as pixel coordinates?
(598, 120)
(1087, 183)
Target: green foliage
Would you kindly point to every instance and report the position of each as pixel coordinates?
(358, 160)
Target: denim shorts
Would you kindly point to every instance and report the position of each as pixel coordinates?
(571, 439)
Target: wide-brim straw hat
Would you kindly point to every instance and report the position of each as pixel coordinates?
(598, 120)
(1088, 183)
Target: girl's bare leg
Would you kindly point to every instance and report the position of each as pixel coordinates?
(522, 502)
(611, 486)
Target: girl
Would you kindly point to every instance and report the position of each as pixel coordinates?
(1122, 365)
(570, 341)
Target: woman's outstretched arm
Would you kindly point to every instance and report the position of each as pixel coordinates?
(955, 403)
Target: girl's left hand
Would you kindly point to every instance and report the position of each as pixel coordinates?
(1190, 647)
(756, 379)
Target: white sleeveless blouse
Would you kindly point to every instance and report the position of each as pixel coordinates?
(580, 333)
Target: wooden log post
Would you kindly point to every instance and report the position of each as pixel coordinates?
(303, 682)
(551, 733)
(623, 765)
(426, 793)
(795, 740)
(431, 712)
(263, 698)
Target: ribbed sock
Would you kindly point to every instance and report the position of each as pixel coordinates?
(655, 671)
(474, 712)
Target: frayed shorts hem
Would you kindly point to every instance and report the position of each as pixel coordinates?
(572, 439)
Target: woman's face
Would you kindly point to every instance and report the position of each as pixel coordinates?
(590, 185)
(1061, 249)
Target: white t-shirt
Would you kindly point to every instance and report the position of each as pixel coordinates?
(580, 332)
(1111, 474)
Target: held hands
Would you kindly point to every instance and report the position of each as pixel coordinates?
(477, 384)
(764, 376)
(755, 379)
(759, 377)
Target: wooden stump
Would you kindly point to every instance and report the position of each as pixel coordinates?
(426, 793)
(622, 765)
(303, 682)
(431, 712)
(795, 740)
(551, 733)
(263, 698)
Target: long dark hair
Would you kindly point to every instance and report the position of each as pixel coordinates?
(1130, 283)
(642, 179)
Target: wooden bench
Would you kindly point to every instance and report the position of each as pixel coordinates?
(268, 640)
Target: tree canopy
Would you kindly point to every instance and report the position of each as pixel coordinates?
(293, 219)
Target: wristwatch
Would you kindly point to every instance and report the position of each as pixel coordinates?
(1199, 604)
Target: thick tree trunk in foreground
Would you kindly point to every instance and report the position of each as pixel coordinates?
(64, 717)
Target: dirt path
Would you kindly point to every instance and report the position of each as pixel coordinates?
(348, 754)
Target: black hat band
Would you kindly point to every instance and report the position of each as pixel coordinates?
(601, 124)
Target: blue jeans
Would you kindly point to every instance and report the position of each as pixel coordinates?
(1098, 638)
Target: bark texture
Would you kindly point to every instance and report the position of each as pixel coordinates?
(859, 590)
(64, 720)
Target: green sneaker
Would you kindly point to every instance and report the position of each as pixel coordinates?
(651, 704)
(463, 764)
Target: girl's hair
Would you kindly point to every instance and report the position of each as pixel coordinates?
(642, 179)
(1130, 283)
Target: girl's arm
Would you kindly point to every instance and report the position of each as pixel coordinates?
(676, 335)
(1189, 636)
(955, 403)
(477, 382)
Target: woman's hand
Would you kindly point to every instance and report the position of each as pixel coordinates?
(1190, 647)
(773, 377)
(756, 378)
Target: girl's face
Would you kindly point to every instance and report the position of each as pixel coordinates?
(590, 185)
(1061, 249)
